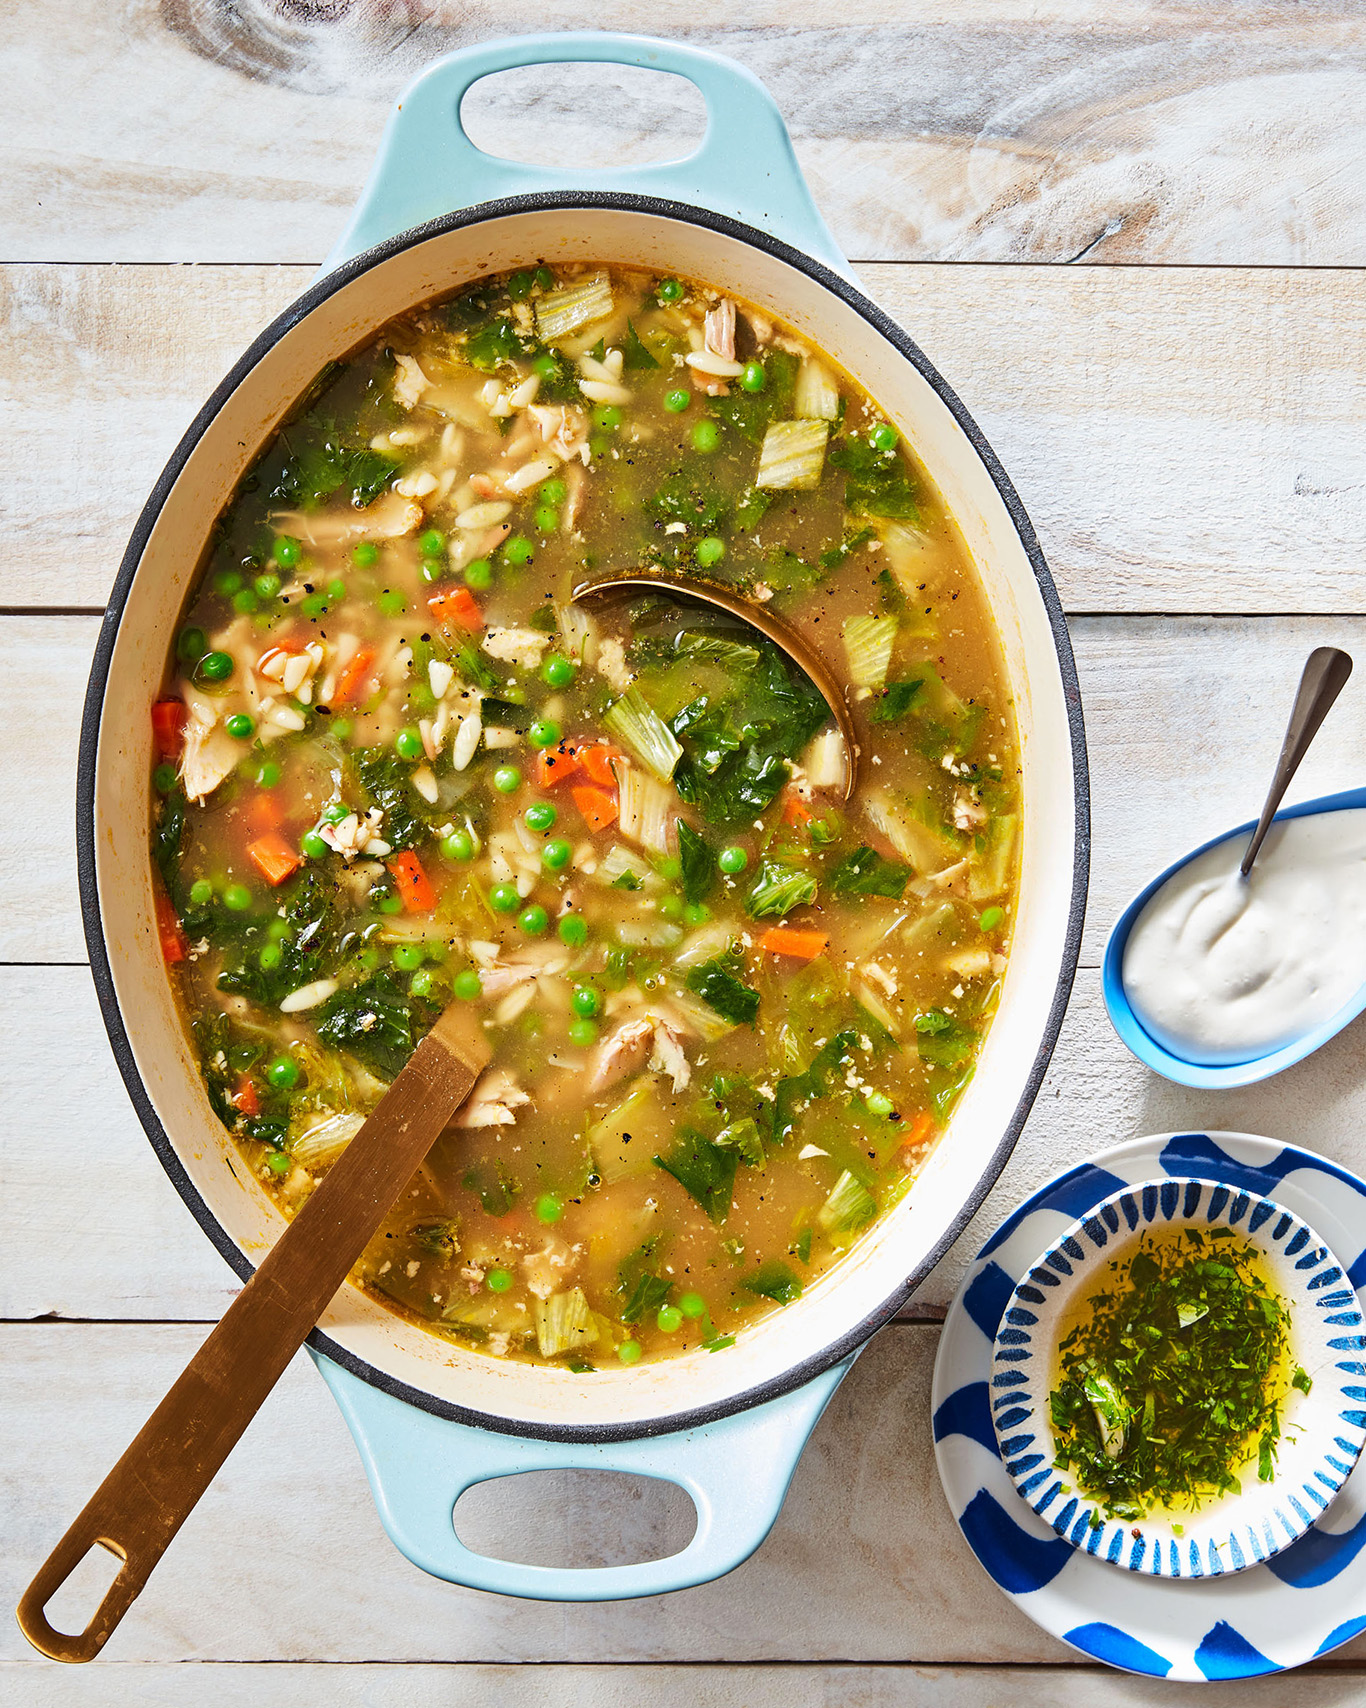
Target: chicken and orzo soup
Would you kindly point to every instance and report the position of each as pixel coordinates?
(399, 766)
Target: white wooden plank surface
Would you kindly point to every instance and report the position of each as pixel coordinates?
(240, 130)
(248, 1685)
(1160, 424)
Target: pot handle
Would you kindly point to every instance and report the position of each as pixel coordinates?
(744, 167)
(736, 1472)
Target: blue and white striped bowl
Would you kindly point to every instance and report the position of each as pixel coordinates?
(1322, 1431)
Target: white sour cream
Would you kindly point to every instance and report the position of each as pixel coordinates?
(1220, 968)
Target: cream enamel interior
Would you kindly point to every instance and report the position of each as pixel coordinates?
(897, 1246)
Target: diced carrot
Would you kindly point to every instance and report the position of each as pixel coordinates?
(353, 676)
(795, 811)
(554, 764)
(168, 728)
(800, 945)
(174, 946)
(457, 606)
(414, 887)
(273, 857)
(263, 811)
(596, 758)
(597, 807)
(919, 1131)
(244, 1099)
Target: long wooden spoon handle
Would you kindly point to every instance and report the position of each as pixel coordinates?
(154, 1487)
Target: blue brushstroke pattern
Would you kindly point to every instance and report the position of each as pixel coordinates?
(986, 1299)
(1117, 1648)
(1319, 1556)
(1341, 1634)
(1018, 1561)
(1072, 1194)
(1226, 1653)
(967, 1411)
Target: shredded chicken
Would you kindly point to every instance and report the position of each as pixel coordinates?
(210, 753)
(544, 1268)
(610, 663)
(648, 1040)
(563, 428)
(719, 330)
(516, 646)
(968, 811)
(410, 382)
(493, 1102)
(390, 516)
(356, 834)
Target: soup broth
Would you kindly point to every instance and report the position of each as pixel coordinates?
(399, 766)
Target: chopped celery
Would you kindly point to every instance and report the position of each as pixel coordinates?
(624, 870)
(817, 397)
(914, 830)
(868, 643)
(647, 808)
(563, 312)
(849, 1205)
(990, 871)
(792, 456)
(564, 1323)
(636, 723)
(779, 889)
(626, 1138)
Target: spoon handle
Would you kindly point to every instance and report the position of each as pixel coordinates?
(1325, 675)
(154, 1487)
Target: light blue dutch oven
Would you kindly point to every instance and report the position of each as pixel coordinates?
(431, 1419)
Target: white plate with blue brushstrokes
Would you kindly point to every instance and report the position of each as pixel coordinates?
(1304, 1602)
(1321, 1424)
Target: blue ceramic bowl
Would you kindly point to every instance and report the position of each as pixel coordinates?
(1200, 1074)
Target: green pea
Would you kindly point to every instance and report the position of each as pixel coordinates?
(279, 1162)
(669, 907)
(608, 417)
(241, 727)
(408, 743)
(216, 666)
(540, 816)
(432, 568)
(368, 960)
(335, 812)
(878, 1103)
(732, 861)
(283, 1073)
(552, 491)
(163, 779)
(268, 775)
(754, 378)
(670, 1319)
(549, 1208)
(392, 603)
(438, 951)
(288, 551)
(533, 920)
(545, 278)
(391, 904)
(277, 930)
(545, 732)
(884, 437)
(706, 437)
(546, 519)
(226, 582)
(545, 365)
(336, 589)
(586, 1001)
(201, 892)
(629, 1352)
(991, 918)
(507, 779)
(479, 574)
(518, 549)
(459, 845)
(191, 645)
(555, 856)
(432, 543)
(313, 845)
(424, 982)
(558, 670)
(503, 898)
(270, 957)
(341, 728)
(670, 868)
(244, 602)
(696, 913)
(237, 897)
(693, 1305)
(365, 555)
(314, 605)
(408, 957)
(669, 290)
(498, 1280)
(599, 444)
(467, 985)
(678, 400)
(583, 1034)
(573, 930)
(267, 585)
(709, 551)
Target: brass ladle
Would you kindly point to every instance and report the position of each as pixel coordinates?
(782, 634)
